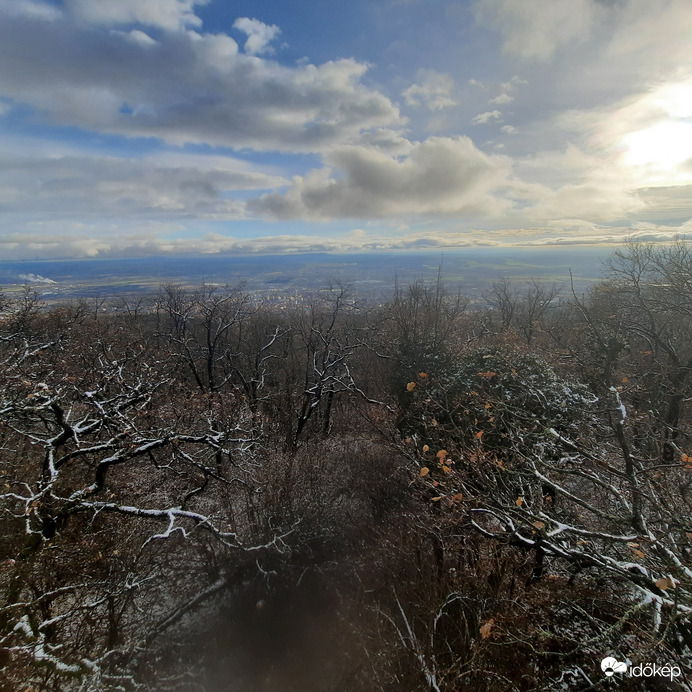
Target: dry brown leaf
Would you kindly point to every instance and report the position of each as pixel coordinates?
(665, 583)
(441, 454)
(425, 448)
(485, 629)
(478, 435)
(638, 553)
(410, 386)
(519, 501)
(422, 375)
(539, 524)
(424, 471)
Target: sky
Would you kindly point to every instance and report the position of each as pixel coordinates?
(131, 128)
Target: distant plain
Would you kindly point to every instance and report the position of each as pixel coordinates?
(371, 275)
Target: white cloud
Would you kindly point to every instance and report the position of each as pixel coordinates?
(440, 176)
(29, 8)
(165, 14)
(654, 36)
(185, 87)
(136, 36)
(77, 186)
(603, 48)
(488, 116)
(508, 130)
(501, 99)
(573, 184)
(596, 200)
(614, 236)
(157, 240)
(507, 90)
(535, 29)
(55, 240)
(513, 83)
(645, 140)
(388, 140)
(259, 35)
(433, 90)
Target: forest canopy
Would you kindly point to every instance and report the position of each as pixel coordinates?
(201, 491)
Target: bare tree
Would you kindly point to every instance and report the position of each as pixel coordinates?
(127, 506)
(200, 325)
(523, 307)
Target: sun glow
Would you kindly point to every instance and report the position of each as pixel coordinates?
(662, 152)
(666, 144)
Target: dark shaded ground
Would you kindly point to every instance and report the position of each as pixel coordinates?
(280, 642)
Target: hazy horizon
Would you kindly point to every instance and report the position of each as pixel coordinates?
(373, 275)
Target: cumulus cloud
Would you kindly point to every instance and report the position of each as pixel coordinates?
(501, 99)
(507, 91)
(488, 116)
(259, 35)
(173, 185)
(165, 14)
(508, 130)
(439, 176)
(185, 87)
(432, 90)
